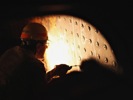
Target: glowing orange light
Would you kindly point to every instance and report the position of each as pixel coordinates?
(72, 40)
(58, 53)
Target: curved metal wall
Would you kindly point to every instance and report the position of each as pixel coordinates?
(72, 39)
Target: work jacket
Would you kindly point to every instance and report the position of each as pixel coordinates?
(22, 75)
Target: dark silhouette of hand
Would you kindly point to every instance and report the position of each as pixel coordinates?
(61, 69)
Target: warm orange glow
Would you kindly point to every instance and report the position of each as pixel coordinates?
(57, 53)
(72, 40)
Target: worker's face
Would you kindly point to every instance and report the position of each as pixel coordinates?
(41, 48)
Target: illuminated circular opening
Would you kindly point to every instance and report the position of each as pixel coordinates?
(72, 40)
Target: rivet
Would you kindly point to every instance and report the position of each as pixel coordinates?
(98, 56)
(85, 49)
(82, 25)
(114, 63)
(89, 28)
(90, 40)
(91, 53)
(105, 46)
(97, 43)
(106, 60)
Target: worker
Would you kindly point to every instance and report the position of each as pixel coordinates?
(22, 74)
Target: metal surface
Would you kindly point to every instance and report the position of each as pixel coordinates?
(73, 39)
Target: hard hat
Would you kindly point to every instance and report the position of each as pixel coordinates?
(34, 31)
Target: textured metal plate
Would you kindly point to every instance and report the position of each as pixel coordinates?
(73, 39)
